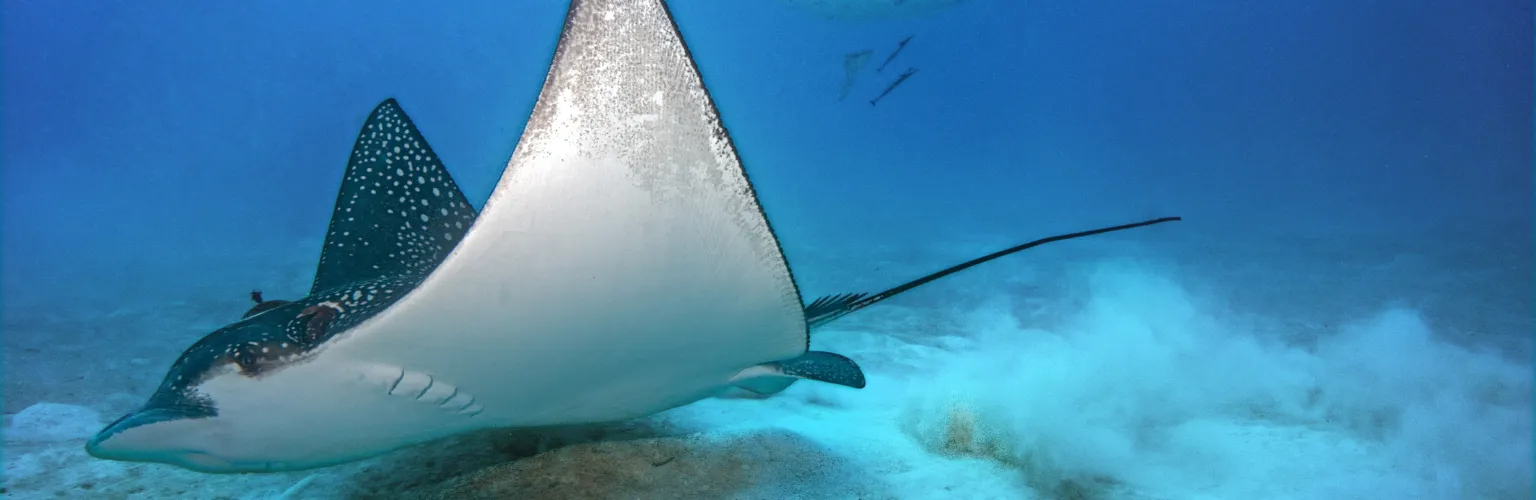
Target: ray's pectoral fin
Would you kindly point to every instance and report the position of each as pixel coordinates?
(398, 213)
(821, 366)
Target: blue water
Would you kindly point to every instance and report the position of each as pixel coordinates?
(1332, 160)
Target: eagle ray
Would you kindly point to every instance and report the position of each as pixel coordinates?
(621, 267)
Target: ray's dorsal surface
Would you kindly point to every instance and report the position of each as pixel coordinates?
(398, 212)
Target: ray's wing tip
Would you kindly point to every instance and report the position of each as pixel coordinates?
(388, 104)
(842, 370)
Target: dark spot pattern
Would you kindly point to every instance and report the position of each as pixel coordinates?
(398, 211)
(285, 334)
(824, 366)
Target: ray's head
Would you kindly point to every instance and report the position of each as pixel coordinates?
(190, 420)
(183, 423)
(163, 433)
(254, 395)
(250, 397)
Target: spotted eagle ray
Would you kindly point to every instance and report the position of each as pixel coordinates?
(853, 62)
(621, 267)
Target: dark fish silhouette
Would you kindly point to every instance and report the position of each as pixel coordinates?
(900, 45)
(904, 76)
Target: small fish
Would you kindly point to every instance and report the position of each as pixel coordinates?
(904, 76)
(899, 45)
(262, 305)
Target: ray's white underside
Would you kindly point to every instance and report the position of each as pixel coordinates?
(621, 267)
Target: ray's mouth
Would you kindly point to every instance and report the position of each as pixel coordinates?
(132, 421)
(197, 460)
(132, 439)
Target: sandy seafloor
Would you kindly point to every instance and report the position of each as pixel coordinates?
(1161, 365)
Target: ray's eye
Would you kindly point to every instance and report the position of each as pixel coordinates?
(248, 361)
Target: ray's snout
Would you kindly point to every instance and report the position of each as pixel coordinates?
(156, 435)
(104, 444)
